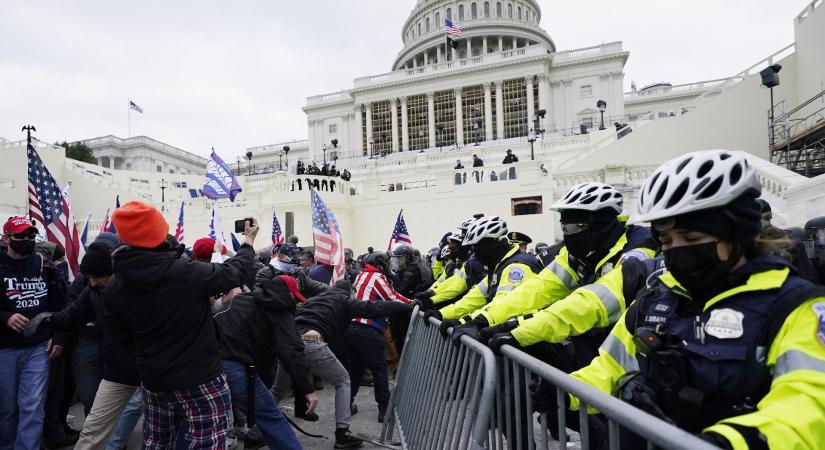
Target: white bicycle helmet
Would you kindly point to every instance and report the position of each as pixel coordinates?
(694, 182)
(455, 237)
(492, 227)
(466, 224)
(590, 196)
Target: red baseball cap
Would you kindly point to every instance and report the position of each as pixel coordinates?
(203, 248)
(292, 285)
(17, 225)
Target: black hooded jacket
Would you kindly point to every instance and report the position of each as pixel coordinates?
(158, 307)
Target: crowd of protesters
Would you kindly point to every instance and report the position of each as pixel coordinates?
(206, 344)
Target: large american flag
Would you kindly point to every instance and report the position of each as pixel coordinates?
(277, 234)
(179, 228)
(329, 245)
(400, 235)
(451, 29)
(50, 207)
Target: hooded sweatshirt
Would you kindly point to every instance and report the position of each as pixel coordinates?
(158, 307)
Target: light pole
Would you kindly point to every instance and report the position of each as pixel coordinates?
(602, 105)
(249, 163)
(324, 148)
(286, 152)
(371, 141)
(531, 138)
(477, 127)
(28, 129)
(770, 79)
(162, 186)
(334, 143)
(538, 125)
(239, 165)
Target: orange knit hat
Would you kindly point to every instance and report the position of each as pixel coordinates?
(140, 225)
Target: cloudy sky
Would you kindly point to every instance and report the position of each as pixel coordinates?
(235, 74)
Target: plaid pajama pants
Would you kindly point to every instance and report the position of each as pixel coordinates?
(198, 415)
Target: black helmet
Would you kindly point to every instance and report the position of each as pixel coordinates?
(379, 260)
(816, 230)
(797, 233)
(289, 250)
(815, 223)
(403, 250)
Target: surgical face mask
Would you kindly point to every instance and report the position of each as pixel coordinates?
(698, 268)
(24, 247)
(282, 266)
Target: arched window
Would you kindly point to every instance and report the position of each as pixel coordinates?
(509, 10)
(460, 13)
(449, 14)
(486, 9)
(527, 12)
(427, 24)
(438, 20)
(419, 28)
(473, 11)
(498, 9)
(519, 13)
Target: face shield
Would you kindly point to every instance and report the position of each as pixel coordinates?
(398, 263)
(818, 237)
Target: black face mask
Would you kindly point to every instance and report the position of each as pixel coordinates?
(579, 244)
(699, 269)
(24, 247)
(488, 252)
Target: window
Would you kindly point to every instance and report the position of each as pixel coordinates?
(128, 166)
(474, 11)
(523, 206)
(587, 122)
(427, 24)
(486, 9)
(289, 223)
(472, 106)
(498, 9)
(381, 127)
(509, 10)
(364, 130)
(519, 13)
(449, 15)
(460, 13)
(586, 90)
(514, 96)
(160, 168)
(418, 127)
(438, 20)
(444, 108)
(419, 28)
(527, 12)
(333, 131)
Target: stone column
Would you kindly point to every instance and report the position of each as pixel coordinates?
(483, 45)
(426, 57)
(488, 113)
(369, 128)
(569, 115)
(499, 110)
(469, 47)
(531, 110)
(431, 117)
(501, 43)
(440, 55)
(459, 118)
(394, 115)
(405, 132)
(544, 98)
(453, 53)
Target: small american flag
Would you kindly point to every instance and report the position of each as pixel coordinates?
(451, 29)
(277, 234)
(400, 235)
(111, 228)
(179, 228)
(49, 206)
(329, 245)
(133, 105)
(105, 226)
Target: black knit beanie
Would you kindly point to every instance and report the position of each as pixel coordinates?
(98, 260)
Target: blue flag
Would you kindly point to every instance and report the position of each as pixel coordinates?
(220, 182)
(235, 244)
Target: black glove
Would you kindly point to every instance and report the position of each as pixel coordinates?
(502, 339)
(470, 328)
(424, 303)
(446, 324)
(431, 313)
(422, 295)
(486, 334)
(543, 395)
(716, 439)
(43, 319)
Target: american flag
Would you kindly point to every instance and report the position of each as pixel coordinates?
(105, 226)
(111, 228)
(277, 234)
(329, 245)
(179, 228)
(49, 206)
(451, 29)
(400, 235)
(133, 105)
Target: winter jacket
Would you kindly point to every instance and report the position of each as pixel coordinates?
(30, 286)
(158, 307)
(264, 289)
(408, 280)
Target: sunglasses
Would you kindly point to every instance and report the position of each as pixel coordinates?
(30, 235)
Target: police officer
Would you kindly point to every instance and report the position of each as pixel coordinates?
(519, 238)
(727, 342)
(816, 233)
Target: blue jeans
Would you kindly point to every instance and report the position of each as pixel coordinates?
(87, 373)
(24, 373)
(126, 422)
(268, 416)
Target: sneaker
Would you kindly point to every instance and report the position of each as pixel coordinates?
(67, 440)
(381, 414)
(343, 439)
(308, 416)
(353, 409)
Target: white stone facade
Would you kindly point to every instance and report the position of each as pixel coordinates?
(141, 153)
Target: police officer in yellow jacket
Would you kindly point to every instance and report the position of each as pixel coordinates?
(507, 267)
(727, 343)
(462, 272)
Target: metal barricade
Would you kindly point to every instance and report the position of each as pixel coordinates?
(514, 412)
(444, 393)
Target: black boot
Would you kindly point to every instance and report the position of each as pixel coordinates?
(343, 439)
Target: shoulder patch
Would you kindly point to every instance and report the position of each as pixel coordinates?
(819, 310)
(636, 253)
(516, 275)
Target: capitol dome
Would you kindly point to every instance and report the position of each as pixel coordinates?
(487, 26)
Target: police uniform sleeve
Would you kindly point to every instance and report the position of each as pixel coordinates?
(505, 303)
(438, 269)
(475, 298)
(616, 358)
(597, 305)
(554, 282)
(451, 288)
(792, 414)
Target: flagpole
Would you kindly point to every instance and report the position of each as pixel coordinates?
(129, 109)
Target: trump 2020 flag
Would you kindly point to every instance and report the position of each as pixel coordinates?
(400, 235)
(329, 245)
(179, 228)
(220, 181)
(215, 228)
(277, 234)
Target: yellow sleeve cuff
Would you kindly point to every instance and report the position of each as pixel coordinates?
(736, 440)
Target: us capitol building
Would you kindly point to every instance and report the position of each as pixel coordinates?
(504, 86)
